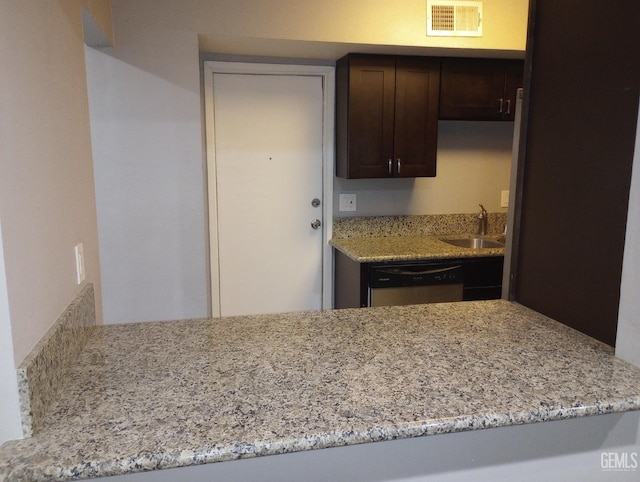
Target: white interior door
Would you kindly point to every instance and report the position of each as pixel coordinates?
(268, 137)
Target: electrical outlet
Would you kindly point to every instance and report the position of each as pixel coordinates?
(504, 199)
(79, 250)
(348, 202)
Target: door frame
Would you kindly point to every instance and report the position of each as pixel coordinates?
(327, 74)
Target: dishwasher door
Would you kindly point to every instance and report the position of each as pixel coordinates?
(414, 284)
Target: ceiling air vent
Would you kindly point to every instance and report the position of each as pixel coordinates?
(454, 18)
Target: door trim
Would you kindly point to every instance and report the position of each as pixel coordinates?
(327, 74)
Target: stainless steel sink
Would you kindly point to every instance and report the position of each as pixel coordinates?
(475, 243)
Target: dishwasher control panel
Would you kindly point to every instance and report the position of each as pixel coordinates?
(414, 275)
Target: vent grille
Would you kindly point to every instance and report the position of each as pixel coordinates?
(453, 18)
(442, 18)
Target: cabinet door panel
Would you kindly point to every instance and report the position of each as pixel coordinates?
(416, 117)
(472, 89)
(371, 116)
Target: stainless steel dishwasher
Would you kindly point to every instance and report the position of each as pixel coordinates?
(408, 284)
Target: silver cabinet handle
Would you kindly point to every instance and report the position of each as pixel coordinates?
(398, 165)
(390, 166)
(315, 224)
(501, 101)
(508, 106)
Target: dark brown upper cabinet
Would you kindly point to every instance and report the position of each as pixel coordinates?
(479, 89)
(386, 116)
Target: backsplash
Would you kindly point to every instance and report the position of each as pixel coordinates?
(415, 225)
(41, 373)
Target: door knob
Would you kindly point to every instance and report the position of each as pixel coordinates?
(315, 224)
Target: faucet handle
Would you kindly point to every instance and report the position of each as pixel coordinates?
(484, 211)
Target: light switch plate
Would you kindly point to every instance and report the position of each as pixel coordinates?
(504, 200)
(79, 250)
(348, 202)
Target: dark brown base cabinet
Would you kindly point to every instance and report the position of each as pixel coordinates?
(482, 279)
(386, 116)
(479, 89)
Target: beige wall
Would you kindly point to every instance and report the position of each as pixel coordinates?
(47, 197)
(473, 167)
(381, 22)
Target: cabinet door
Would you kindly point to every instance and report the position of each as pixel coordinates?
(416, 116)
(472, 89)
(365, 128)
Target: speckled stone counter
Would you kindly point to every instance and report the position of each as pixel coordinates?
(412, 238)
(159, 395)
(407, 248)
(414, 225)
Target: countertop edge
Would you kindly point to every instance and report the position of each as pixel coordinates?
(244, 450)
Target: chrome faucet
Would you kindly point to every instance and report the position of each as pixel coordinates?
(482, 221)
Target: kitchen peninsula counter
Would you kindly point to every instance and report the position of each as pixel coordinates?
(170, 394)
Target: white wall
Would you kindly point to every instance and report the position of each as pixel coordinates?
(148, 160)
(473, 166)
(628, 336)
(10, 427)
(47, 198)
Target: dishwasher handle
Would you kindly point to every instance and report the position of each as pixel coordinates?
(401, 271)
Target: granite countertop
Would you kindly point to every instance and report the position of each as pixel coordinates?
(372, 249)
(159, 395)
